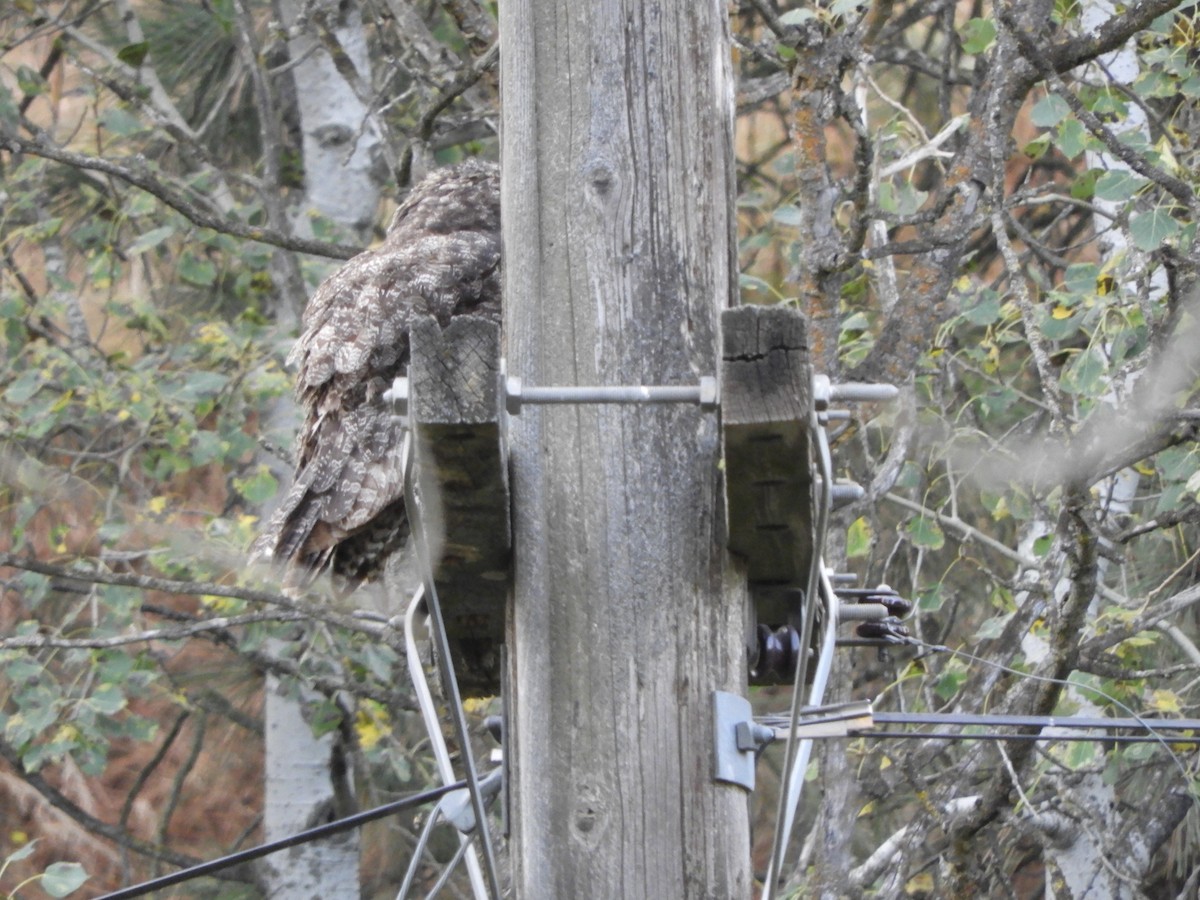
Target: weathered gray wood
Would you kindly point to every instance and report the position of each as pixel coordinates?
(766, 398)
(627, 610)
(455, 412)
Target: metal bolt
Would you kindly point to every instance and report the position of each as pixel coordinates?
(826, 392)
(705, 393)
(397, 395)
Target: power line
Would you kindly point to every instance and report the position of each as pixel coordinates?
(303, 837)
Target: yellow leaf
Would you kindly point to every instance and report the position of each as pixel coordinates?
(1165, 701)
(1060, 312)
(867, 810)
(157, 505)
(920, 884)
(371, 725)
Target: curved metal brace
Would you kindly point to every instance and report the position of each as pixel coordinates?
(798, 750)
(433, 727)
(449, 681)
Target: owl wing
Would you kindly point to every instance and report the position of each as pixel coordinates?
(345, 508)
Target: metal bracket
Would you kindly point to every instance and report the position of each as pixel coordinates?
(736, 739)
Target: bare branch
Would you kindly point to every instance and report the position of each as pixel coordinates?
(199, 588)
(220, 623)
(136, 171)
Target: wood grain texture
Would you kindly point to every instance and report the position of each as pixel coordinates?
(627, 612)
(766, 400)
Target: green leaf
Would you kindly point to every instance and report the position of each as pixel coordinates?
(788, 214)
(1072, 138)
(947, 686)
(197, 271)
(858, 538)
(107, 700)
(1084, 186)
(994, 627)
(930, 599)
(753, 283)
(30, 81)
(986, 309)
(121, 122)
(978, 35)
(8, 109)
(150, 239)
(1081, 278)
(1049, 111)
(259, 487)
(1084, 375)
(797, 16)
(1150, 229)
(24, 387)
(1079, 754)
(1118, 185)
(18, 855)
(925, 532)
(1037, 148)
(1042, 545)
(134, 54)
(62, 878)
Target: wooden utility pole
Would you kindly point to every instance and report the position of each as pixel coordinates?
(626, 614)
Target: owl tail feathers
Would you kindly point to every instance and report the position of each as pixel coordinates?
(296, 543)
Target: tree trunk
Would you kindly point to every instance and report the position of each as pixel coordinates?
(307, 782)
(619, 249)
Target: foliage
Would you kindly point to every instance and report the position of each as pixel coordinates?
(1002, 225)
(1007, 229)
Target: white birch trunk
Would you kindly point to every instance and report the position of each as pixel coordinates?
(306, 782)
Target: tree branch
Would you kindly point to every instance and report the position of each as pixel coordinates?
(220, 623)
(199, 588)
(136, 171)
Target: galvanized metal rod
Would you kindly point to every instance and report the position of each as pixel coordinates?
(616, 394)
(517, 394)
(862, 392)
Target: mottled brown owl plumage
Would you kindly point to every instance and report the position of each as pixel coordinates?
(345, 509)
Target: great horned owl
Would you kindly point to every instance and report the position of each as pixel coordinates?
(345, 509)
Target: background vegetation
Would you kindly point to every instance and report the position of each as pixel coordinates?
(992, 206)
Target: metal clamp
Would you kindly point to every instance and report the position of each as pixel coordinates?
(736, 739)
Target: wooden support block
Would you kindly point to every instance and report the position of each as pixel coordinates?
(455, 409)
(766, 400)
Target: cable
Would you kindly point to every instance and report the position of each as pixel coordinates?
(1144, 723)
(418, 852)
(433, 726)
(442, 646)
(785, 811)
(303, 837)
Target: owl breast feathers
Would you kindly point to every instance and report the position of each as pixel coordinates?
(345, 509)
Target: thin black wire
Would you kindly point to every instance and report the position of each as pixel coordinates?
(449, 679)
(780, 841)
(1148, 724)
(303, 837)
(1015, 736)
